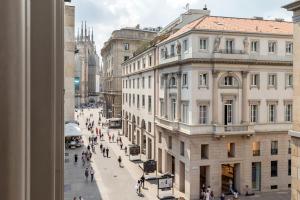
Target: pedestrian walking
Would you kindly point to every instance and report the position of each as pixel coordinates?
(137, 187)
(80, 198)
(86, 173)
(113, 138)
(101, 147)
(107, 151)
(143, 181)
(121, 145)
(74, 198)
(120, 161)
(222, 196)
(92, 174)
(83, 159)
(75, 158)
(103, 151)
(125, 150)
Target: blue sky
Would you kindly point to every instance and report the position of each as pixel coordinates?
(107, 15)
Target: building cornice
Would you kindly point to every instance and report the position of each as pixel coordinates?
(294, 6)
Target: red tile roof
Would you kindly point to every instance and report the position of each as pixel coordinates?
(229, 24)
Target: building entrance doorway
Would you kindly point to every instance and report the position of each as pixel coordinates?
(228, 105)
(256, 176)
(204, 177)
(170, 164)
(230, 178)
(182, 177)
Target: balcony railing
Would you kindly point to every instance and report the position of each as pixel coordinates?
(244, 129)
(231, 51)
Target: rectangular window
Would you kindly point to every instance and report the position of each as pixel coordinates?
(149, 82)
(274, 187)
(144, 62)
(185, 45)
(162, 111)
(203, 43)
(126, 97)
(133, 83)
(126, 58)
(274, 147)
(204, 151)
(272, 47)
(159, 137)
(289, 167)
(149, 104)
(272, 113)
(289, 48)
(133, 99)
(172, 50)
(272, 79)
(231, 150)
(274, 168)
(150, 61)
(254, 46)
(143, 82)
(256, 148)
(229, 46)
(290, 148)
(185, 108)
(288, 112)
(203, 79)
(255, 80)
(253, 113)
(184, 80)
(129, 99)
(181, 148)
(149, 127)
(289, 80)
(138, 83)
(143, 100)
(170, 142)
(203, 115)
(126, 46)
(138, 101)
(133, 66)
(173, 109)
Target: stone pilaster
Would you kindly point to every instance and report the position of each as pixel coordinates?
(166, 95)
(244, 97)
(215, 97)
(178, 105)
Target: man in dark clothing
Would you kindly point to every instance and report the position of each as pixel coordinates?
(143, 181)
(107, 151)
(75, 158)
(103, 151)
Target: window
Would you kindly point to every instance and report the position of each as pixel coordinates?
(129, 99)
(172, 50)
(133, 99)
(149, 82)
(138, 101)
(274, 169)
(162, 111)
(289, 80)
(289, 149)
(184, 80)
(149, 104)
(274, 147)
(143, 100)
(185, 45)
(126, 97)
(254, 80)
(138, 83)
(256, 148)
(204, 151)
(126, 46)
(253, 113)
(162, 81)
(181, 148)
(254, 46)
(173, 82)
(203, 79)
(289, 47)
(173, 109)
(272, 78)
(274, 187)
(149, 127)
(231, 150)
(133, 83)
(228, 81)
(170, 142)
(185, 108)
(288, 112)
(126, 58)
(229, 46)
(203, 43)
(144, 62)
(203, 118)
(159, 137)
(272, 113)
(289, 167)
(150, 60)
(272, 47)
(129, 83)
(143, 82)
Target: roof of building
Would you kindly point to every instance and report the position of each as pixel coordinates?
(244, 25)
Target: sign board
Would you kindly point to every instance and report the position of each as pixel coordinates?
(149, 166)
(134, 150)
(165, 183)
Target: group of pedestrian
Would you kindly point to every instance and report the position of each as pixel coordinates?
(105, 151)
(79, 198)
(206, 193)
(89, 171)
(139, 185)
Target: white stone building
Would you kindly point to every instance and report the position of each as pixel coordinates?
(223, 104)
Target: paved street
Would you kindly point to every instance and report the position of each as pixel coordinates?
(115, 183)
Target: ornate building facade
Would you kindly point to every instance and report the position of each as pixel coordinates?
(218, 104)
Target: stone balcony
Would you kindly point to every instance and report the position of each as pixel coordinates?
(239, 129)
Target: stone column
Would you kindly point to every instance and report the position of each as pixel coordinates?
(215, 97)
(178, 105)
(166, 95)
(244, 97)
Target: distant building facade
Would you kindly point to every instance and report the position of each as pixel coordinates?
(217, 102)
(87, 68)
(69, 62)
(120, 47)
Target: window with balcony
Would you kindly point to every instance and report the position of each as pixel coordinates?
(272, 80)
(204, 151)
(184, 80)
(272, 113)
(181, 148)
(272, 47)
(256, 148)
(126, 46)
(203, 114)
(253, 113)
(274, 147)
(203, 79)
(254, 80)
(288, 112)
(185, 109)
(203, 43)
(289, 48)
(229, 46)
(274, 171)
(173, 109)
(254, 46)
(149, 104)
(231, 150)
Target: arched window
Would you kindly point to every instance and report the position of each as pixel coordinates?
(229, 80)
(172, 81)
